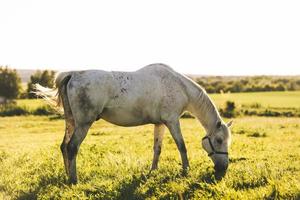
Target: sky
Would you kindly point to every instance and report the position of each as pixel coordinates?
(193, 37)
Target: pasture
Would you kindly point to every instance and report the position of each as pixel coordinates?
(286, 99)
(114, 162)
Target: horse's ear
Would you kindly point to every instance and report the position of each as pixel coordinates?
(229, 123)
(219, 123)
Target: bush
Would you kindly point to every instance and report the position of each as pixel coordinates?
(13, 110)
(257, 134)
(44, 110)
(270, 113)
(249, 112)
(229, 110)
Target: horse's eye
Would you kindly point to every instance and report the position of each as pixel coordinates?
(219, 140)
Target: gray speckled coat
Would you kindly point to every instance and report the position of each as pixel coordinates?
(155, 94)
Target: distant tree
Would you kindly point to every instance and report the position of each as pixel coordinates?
(280, 87)
(217, 84)
(292, 86)
(10, 83)
(268, 88)
(44, 78)
(244, 81)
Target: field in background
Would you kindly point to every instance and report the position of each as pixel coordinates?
(31, 104)
(113, 161)
(286, 99)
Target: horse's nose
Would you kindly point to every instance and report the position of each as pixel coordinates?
(220, 167)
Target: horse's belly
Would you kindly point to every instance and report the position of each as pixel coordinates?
(126, 117)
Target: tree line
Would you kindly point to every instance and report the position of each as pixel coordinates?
(220, 84)
(11, 86)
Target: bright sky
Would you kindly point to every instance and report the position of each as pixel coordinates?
(194, 37)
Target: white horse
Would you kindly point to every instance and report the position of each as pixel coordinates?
(155, 94)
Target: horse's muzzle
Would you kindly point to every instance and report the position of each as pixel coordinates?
(221, 167)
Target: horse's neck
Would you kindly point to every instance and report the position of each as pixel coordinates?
(201, 106)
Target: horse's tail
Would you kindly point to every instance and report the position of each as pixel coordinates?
(57, 96)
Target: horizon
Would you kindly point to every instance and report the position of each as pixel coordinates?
(230, 38)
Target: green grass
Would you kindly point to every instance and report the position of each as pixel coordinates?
(265, 99)
(113, 162)
(31, 104)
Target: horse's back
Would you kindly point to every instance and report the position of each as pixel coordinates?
(126, 98)
(157, 67)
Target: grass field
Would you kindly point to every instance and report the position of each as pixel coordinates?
(31, 104)
(113, 162)
(285, 99)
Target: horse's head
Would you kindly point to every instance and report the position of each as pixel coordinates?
(216, 144)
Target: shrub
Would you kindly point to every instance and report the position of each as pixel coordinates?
(13, 110)
(240, 131)
(229, 110)
(269, 113)
(257, 134)
(44, 110)
(249, 112)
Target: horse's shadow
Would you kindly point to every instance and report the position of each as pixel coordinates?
(126, 188)
(44, 181)
(210, 177)
(235, 160)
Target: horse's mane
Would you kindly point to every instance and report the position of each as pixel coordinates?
(205, 109)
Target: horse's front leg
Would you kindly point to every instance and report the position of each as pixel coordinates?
(72, 149)
(159, 130)
(174, 128)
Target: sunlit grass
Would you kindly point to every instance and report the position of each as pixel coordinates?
(285, 99)
(113, 162)
(31, 104)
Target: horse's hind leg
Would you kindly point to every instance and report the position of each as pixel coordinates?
(159, 130)
(72, 149)
(68, 134)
